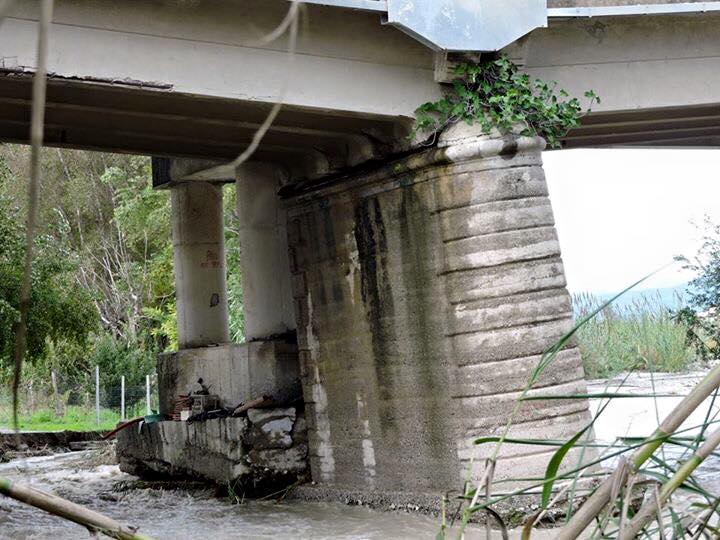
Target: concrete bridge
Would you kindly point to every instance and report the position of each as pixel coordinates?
(411, 289)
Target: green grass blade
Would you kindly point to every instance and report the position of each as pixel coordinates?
(599, 395)
(554, 465)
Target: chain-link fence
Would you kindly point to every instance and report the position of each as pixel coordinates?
(53, 404)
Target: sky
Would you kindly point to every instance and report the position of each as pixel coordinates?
(623, 213)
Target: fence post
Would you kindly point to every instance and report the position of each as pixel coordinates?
(122, 398)
(56, 395)
(147, 394)
(31, 397)
(97, 394)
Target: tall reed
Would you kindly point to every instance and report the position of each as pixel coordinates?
(639, 335)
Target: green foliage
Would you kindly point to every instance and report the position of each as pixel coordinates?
(103, 281)
(164, 325)
(701, 333)
(704, 290)
(234, 278)
(142, 213)
(495, 94)
(642, 336)
(59, 308)
(702, 316)
(117, 357)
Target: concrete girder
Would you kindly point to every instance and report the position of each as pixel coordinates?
(206, 130)
(701, 137)
(633, 63)
(157, 105)
(391, 73)
(690, 142)
(699, 123)
(305, 142)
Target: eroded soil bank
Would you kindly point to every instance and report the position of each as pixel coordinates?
(34, 443)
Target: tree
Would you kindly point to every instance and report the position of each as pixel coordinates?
(59, 308)
(105, 244)
(702, 318)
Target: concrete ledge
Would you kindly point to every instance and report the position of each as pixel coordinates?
(236, 372)
(265, 451)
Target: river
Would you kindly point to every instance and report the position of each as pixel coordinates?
(182, 514)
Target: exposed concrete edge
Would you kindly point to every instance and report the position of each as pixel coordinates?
(459, 143)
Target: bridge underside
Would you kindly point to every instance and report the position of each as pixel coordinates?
(412, 290)
(134, 118)
(686, 126)
(197, 80)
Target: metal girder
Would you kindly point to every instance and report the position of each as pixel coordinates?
(467, 25)
(634, 9)
(490, 25)
(363, 5)
(456, 25)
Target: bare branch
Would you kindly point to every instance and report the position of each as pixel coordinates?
(36, 138)
(292, 17)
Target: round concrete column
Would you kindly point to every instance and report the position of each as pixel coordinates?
(267, 297)
(199, 253)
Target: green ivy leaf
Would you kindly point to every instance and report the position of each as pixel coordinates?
(493, 93)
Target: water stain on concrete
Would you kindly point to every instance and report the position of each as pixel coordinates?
(371, 240)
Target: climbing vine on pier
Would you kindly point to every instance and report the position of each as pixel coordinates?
(494, 93)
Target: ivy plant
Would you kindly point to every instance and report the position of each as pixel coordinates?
(494, 93)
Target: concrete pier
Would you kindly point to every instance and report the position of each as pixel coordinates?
(426, 290)
(263, 238)
(199, 254)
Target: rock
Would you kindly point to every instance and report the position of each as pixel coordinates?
(290, 460)
(271, 428)
(259, 416)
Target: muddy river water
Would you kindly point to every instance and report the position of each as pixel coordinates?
(180, 515)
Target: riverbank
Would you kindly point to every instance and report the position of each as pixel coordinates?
(34, 443)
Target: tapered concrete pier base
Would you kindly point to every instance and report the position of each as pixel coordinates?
(427, 290)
